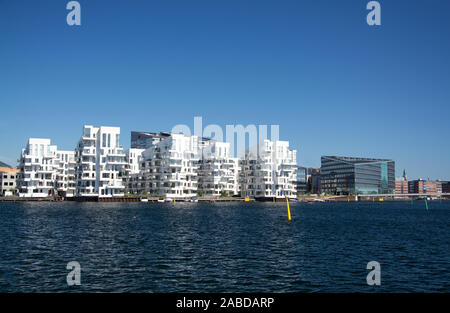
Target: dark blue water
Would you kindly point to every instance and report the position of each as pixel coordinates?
(244, 247)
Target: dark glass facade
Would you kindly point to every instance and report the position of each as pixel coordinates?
(144, 140)
(445, 187)
(302, 180)
(348, 175)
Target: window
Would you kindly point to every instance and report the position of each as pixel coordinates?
(87, 132)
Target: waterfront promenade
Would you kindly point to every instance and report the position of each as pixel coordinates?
(311, 199)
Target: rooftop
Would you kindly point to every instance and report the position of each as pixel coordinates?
(8, 170)
(2, 165)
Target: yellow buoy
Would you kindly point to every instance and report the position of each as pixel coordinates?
(247, 199)
(289, 211)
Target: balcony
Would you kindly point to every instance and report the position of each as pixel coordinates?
(87, 138)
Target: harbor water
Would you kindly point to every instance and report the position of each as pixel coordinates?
(225, 247)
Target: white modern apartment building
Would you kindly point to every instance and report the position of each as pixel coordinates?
(38, 169)
(132, 177)
(218, 172)
(169, 167)
(100, 161)
(133, 158)
(269, 171)
(65, 173)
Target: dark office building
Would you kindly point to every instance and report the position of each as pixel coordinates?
(314, 179)
(446, 187)
(348, 175)
(144, 140)
(308, 180)
(302, 180)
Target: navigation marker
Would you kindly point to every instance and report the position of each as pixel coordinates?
(289, 211)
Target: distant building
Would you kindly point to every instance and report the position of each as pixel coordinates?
(401, 184)
(301, 181)
(8, 180)
(445, 185)
(314, 181)
(4, 165)
(439, 187)
(424, 186)
(145, 140)
(351, 175)
(308, 180)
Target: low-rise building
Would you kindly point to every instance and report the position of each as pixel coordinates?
(401, 186)
(421, 186)
(8, 181)
(439, 187)
(445, 185)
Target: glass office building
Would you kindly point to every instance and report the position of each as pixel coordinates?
(348, 175)
(302, 180)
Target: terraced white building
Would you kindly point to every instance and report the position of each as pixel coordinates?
(65, 173)
(269, 171)
(169, 167)
(100, 161)
(133, 158)
(132, 177)
(38, 169)
(218, 172)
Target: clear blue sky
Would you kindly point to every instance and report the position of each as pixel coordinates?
(334, 85)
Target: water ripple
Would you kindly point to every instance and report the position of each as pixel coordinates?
(224, 247)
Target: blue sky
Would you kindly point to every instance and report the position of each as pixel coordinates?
(334, 85)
